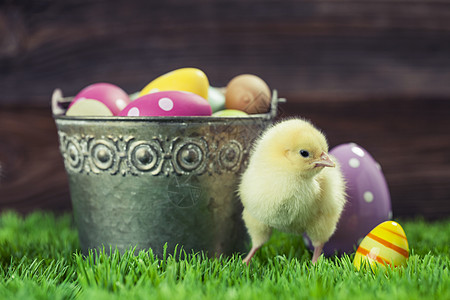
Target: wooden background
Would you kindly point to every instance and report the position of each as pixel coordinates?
(372, 72)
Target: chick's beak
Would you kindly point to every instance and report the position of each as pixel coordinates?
(324, 161)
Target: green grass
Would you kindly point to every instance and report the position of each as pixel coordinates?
(40, 259)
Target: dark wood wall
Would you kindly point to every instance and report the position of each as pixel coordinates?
(373, 72)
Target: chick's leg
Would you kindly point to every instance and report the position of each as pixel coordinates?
(259, 234)
(250, 254)
(320, 232)
(317, 252)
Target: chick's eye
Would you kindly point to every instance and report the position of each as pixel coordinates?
(304, 153)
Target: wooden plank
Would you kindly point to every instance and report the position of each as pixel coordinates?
(32, 175)
(315, 49)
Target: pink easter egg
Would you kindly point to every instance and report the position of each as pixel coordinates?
(109, 94)
(168, 103)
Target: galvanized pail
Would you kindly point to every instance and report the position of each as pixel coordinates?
(148, 181)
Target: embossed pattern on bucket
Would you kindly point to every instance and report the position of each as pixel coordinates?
(148, 181)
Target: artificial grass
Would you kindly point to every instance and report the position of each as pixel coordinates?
(40, 259)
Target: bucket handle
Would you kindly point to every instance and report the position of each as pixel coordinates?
(274, 104)
(59, 103)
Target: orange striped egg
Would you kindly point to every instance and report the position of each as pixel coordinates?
(386, 244)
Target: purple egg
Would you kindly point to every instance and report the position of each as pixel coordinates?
(368, 200)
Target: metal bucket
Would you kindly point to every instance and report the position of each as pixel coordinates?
(146, 181)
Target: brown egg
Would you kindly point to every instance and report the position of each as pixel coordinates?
(248, 93)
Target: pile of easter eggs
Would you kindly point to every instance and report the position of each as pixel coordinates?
(182, 92)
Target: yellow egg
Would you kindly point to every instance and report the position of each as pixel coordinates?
(186, 79)
(386, 244)
(230, 113)
(89, 107)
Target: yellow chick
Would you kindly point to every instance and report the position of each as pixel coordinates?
(293, 185)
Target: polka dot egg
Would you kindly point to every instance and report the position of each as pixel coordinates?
(99, 99)
(368, 198)
(168, 103)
